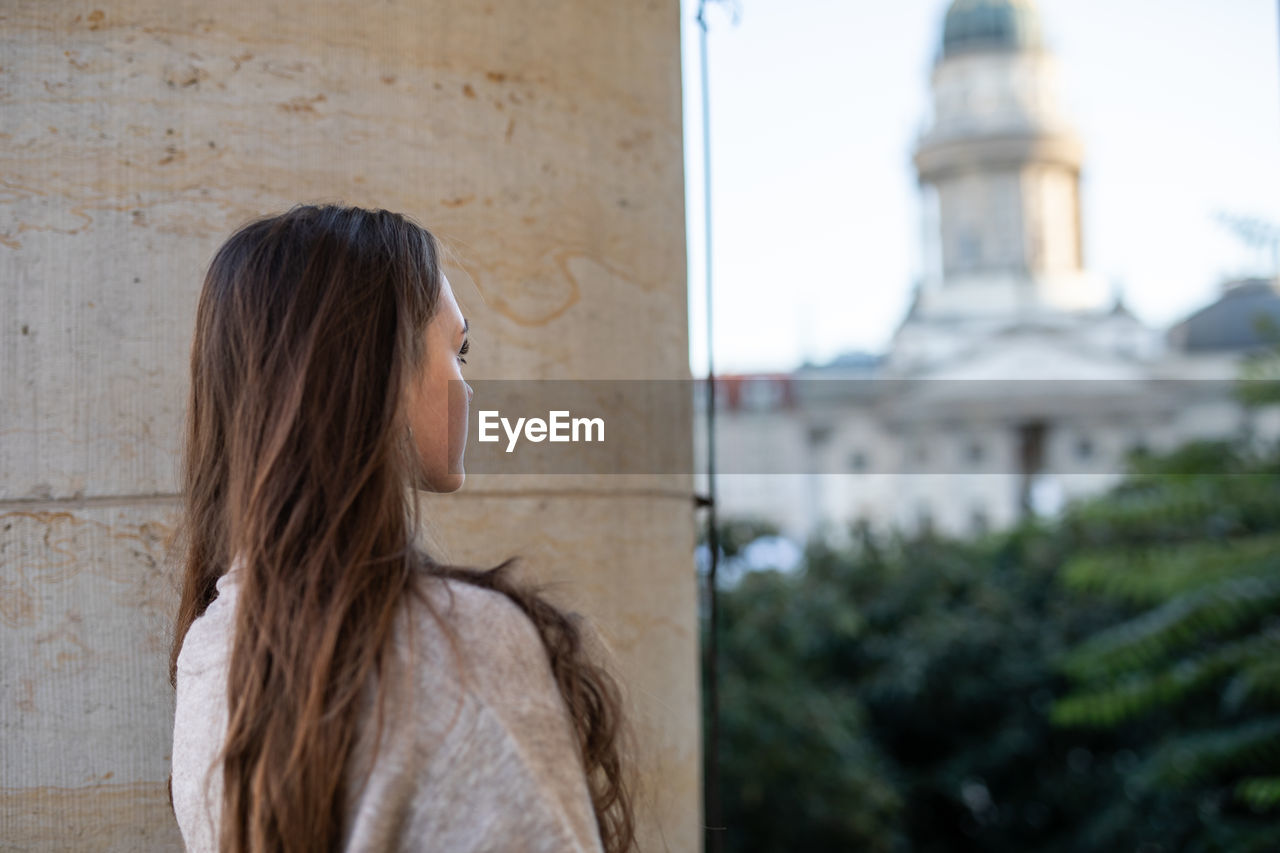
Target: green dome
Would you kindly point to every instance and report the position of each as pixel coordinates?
(990, 25)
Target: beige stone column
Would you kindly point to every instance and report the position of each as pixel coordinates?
(540, 138)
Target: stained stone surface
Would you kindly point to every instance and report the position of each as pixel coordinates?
(540, 140)
(87, 713)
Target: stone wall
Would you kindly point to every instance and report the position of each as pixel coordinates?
(540, 138)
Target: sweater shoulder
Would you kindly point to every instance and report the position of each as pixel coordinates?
(497, 640)
(490, 614)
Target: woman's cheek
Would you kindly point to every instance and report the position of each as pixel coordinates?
(459, 417)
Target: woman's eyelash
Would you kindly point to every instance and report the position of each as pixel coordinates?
(466, 348)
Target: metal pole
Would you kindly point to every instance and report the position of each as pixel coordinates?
(711, 765)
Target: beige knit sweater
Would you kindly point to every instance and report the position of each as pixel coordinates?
(485, 764)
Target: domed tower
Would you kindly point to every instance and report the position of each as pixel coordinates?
(999, 168)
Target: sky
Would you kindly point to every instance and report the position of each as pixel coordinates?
(815, 106)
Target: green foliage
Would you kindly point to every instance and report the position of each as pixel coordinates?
(1148, 576)
(797, 769)
(1189, 759)
(1192, 539)
(1138, 689)
(1260, 792)
(895, 696)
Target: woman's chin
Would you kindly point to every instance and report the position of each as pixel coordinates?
(447, 483)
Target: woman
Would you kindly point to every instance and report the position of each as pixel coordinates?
(336, 687)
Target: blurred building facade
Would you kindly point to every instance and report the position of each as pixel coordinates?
(1017, 380)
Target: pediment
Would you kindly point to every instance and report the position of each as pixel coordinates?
(1039, 355)
(1022, 374)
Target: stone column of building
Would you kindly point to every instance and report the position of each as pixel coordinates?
(542, 140)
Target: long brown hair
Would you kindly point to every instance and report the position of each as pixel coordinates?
(308, 328)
